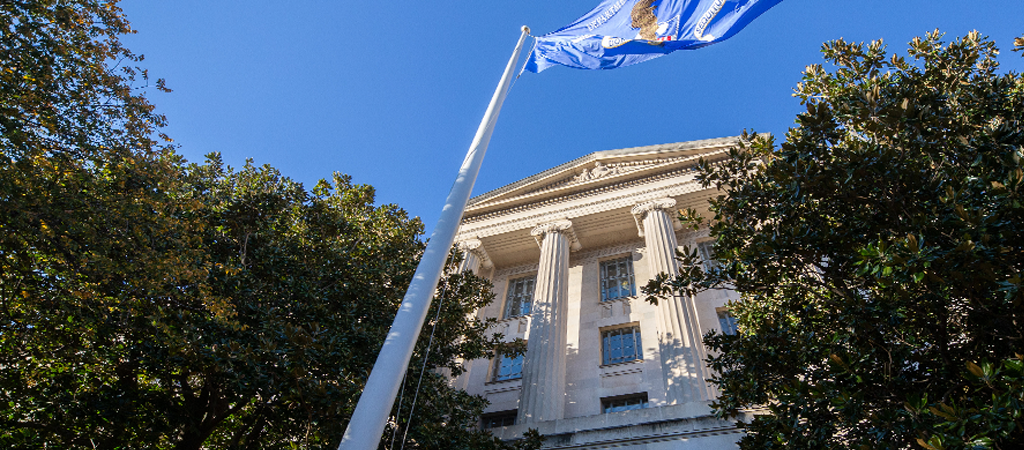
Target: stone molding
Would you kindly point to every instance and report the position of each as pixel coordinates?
(627, 199)
(558, 226)
(709, 147)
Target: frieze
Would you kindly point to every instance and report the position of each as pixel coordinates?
(594, 255)
(602, 170)
(579, 195)
(515, 270)
(627, 199)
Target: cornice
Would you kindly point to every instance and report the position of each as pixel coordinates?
(648, 151)
(628, 198)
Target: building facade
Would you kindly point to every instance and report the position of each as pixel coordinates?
(567, 251)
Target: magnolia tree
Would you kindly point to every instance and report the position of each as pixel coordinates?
(878, 254)
(150, 303)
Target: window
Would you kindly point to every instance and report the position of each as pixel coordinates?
(499, 419)
(508, 368)
(727, 322)
(624, 403)
(621, 345)
(519, 299)
(706, 250)
(617, 279)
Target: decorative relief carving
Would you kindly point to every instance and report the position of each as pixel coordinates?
(594, 255)
(475, 247)
(620, 370)
(606, 170)
(515, 270)
(641, 210)
(559, 226)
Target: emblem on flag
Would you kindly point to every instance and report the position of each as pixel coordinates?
(624, 32)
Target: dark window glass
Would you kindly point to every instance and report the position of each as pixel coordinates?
(624, 403)
(617, 279)
(508, 368)
(499, 419)
(727, 322)
(621, 345)
(519, 300)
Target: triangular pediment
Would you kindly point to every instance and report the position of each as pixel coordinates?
(599, 170)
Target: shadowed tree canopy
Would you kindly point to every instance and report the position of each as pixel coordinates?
(878, 252)
(150, 303)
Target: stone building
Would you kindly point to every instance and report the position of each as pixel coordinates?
(567, 250)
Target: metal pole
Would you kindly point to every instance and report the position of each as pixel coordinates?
(371, 414)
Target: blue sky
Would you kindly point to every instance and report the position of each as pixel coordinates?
(392, 92)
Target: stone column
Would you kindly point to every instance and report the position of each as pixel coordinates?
(473, 256)
(682, 351)
(543, 393)
(473, 259)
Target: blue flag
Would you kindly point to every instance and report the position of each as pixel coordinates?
(625, 32)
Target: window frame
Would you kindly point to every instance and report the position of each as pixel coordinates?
(727, 322)
(486, 420)
(603, 279)
(642, 399)
(498, 363)
(605, 334)
(706, 251)
(530, 285)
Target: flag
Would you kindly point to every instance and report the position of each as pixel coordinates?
(625, 32)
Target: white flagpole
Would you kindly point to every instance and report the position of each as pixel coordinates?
(371, 414)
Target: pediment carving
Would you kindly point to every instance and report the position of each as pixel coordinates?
(600, 170)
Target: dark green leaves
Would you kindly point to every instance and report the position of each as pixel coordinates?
(878, 255)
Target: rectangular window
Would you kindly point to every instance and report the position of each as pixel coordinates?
(499, 419)
(624, 403)
(508, 368)
(706, 250)
(519, 298)
(617, 279)
(621, 345)
(727, 322)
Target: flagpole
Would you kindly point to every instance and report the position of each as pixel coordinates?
(371, 414)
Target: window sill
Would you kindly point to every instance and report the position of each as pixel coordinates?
(620, 364)
(619, 299)
(510, 319)
(500, 382)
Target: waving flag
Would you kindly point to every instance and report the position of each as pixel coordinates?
(624, 32)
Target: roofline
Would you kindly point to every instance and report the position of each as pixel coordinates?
(647, 149)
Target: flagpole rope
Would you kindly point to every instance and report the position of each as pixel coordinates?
(426, 356)
(398, 414)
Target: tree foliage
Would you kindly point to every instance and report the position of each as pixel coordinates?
(878, 255)
(150, 303)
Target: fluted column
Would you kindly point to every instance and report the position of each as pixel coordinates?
(473, 256)
(473, 259)
(543, 393)
(682, 351)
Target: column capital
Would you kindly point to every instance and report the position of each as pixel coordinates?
(475, 246)
(641, 210)
(562, 226)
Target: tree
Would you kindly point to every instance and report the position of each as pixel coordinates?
(878, 256)
(150, 303)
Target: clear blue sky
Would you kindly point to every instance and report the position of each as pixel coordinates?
(392, 92)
